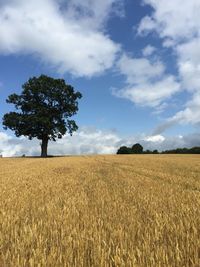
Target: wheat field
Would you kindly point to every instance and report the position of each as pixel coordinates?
(120, 210)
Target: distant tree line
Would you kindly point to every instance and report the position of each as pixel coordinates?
(193, 150)
(138, 149)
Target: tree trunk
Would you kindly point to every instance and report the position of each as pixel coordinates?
(44, 147)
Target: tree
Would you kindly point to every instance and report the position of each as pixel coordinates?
(155, 151)
(43, 109)
(124, 150)
(137, 149)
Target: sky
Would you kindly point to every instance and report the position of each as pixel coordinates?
(136, 63)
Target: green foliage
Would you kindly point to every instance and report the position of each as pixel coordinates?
(155, 151)
(193, 150)
(124, 150)
(137, 149)
(43, 109)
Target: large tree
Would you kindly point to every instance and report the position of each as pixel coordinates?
(43, 110)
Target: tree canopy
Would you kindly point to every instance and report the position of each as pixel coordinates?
(137, 149)
(124, 150)
(43, 110)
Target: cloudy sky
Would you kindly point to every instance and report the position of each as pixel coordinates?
(136, 62)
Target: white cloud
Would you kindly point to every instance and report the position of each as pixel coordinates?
(176, 19)
(140, 70)
(177, 23)
(168, 43)
(93, 13)
(147, 83)
(189, 64)
(191, 114)
(92, 141)
(148, 50)
(10, 146)
(85, 141)
(155, 138)
(152, 94)
(68, 35)
(173, 142)
(147, 24)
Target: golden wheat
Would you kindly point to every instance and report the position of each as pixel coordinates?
(100, 211)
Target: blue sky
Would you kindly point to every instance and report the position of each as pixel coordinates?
(137, 64)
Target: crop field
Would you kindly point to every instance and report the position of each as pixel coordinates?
(120, 210)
